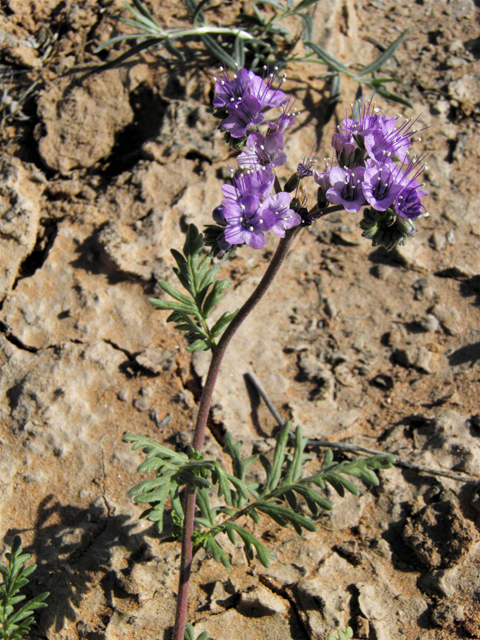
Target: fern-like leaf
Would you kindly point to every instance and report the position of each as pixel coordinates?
(15, 625)
(192, 310)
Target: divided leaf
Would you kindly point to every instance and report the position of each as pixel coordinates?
(192, 309)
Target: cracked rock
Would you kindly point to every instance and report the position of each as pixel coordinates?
(439, 534)
(19, 219)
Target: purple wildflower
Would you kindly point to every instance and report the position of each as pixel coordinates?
(344, 145)
(346, 188)
(255, 182)
(241, 116)
(229, 91)
(286, 120)
(408, 203)
(247, 221)
(380, 184)
(307, 165)
(284, 216)
(263, 151)
(261, 89)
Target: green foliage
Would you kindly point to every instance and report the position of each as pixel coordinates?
(278, 496)
(342, 635)
(190, 633)
(14, 625)
(197, 276)
(386, 228)
(364, 75)
(257, 38)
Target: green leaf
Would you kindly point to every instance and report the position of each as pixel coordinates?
(239, 52)
(329, 59)
(282, 515)
(198, 14)
(215, 295)
(189, 632)
(203, 502)
(178, 295)
(342, 635)
(295, 466)
(153, 448)
(220, 476)
(193, 242)
(222, 323)
(218, 51)
(141, 46)
(240, 466)
(169, 305)
(304, 4)
(16, 624)
(198, 345)
(339, 484)
(312, 498)
(275, 473)
(386, 55)
(249, 541)
(213, 548)
(393, 97)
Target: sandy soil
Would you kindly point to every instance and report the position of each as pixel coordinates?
(100, 176)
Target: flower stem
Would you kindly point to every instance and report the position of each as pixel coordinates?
(204, 408)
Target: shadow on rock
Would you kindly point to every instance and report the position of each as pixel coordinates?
(71, 545)
(469, 353)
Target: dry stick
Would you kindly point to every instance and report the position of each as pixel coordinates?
(217, 357)
(358, 448)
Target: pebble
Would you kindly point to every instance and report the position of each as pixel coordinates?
(429, 323)
(451, 237)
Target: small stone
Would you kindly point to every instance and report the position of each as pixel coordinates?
(261, 601)
(429, 323)
(449, 318)
(370, 602)
(438, 240)
(146, 392)
(141, 404)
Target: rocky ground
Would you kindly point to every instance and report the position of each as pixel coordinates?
(100, 176)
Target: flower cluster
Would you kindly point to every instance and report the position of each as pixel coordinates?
(251, 206)
(368, 148)
(370, 166)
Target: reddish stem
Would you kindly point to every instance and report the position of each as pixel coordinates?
(204, 408)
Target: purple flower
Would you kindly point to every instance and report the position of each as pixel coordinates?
(322, 178)
(306, 166)
(408, 203)
(247, 221)
(344, 145)
(346, 188)
(284, 217)
(241, 116)
(256, 182)
(263, 151)
(286, 120)
(380, 185)
(230, 91)
(219, 215)
(263, 92)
